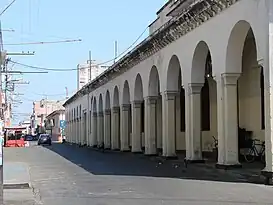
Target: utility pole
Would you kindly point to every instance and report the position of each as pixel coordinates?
(90, 66)
(116, 51)
(66, 93)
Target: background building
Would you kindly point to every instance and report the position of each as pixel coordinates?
(40, 110)
(53, 123)
(84, 75)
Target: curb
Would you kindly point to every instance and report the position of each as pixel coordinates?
(16, 186)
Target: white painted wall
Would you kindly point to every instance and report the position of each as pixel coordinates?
(215, 32)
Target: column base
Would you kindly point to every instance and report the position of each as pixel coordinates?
(126, 150)
(230, 166)
(194, 161)
(170, 157)
(151, 155)
(137, 152)
(268, 177)
(116, 149)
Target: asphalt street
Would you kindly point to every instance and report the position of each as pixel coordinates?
(64, 174)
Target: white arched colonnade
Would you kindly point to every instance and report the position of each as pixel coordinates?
(201, 85)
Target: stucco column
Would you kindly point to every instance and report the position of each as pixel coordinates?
(90, 129)
(107, 129)
(124, 146)
(136, 127)
(115, 129)
(150, 126)
(159, 122)
(100, 129)
(194, 135)
(79, 131)
(94, 141)
(76, 131)
(228, 135)
(169, 138)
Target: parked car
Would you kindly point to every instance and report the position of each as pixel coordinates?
(28, 137)
(44, 139)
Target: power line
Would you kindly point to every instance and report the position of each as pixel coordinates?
(44, 42)
(73, 69)
(7, 7)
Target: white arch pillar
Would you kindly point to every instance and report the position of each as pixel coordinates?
(227, 120)
(169, 121)
(100, 129)
(151, 125)
(193, 116)
(115, 128)
(107, 129)
(136, 127)
(124, 146)
(94, 141)
(89, 138)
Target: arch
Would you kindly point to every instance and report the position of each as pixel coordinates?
(138, 88)
(173, 73)
(116, 97)
(235, 46)
(107, 100)
(126, 93)
(100, 104)
(94, 106)
(199, 61)
(154, 82)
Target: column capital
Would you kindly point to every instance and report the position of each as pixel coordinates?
(125, 107)
(170, 95)
(137, 103)
(107, 112)
(230, 78)
(151, 99)
(115, 109)
(100, 114)
(195, 88)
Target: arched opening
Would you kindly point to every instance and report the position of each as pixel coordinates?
(251, 116)
(139, 98)
(241, 57)
(174, 85)
(154, 91)
(107, 121)
(115, 127)
(127, 115)
(202, 77)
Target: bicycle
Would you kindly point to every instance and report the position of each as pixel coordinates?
(252, 152)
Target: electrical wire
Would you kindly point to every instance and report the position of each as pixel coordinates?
(44, 42)
(73, 69)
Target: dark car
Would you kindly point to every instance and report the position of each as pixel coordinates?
(44, 139)
(28, 138)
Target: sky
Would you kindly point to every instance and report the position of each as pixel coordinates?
(98, 23)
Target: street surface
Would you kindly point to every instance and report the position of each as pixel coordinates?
(65, 174)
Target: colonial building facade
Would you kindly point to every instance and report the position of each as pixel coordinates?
(205, 70)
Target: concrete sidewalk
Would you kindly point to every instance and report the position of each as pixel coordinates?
(17, 188)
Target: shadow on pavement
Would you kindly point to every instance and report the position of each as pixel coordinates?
(129, 164)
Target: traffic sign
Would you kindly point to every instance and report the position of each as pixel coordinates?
(62, 123)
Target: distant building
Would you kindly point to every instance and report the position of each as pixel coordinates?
(40, 110)
(53, 123)
(84, 75)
